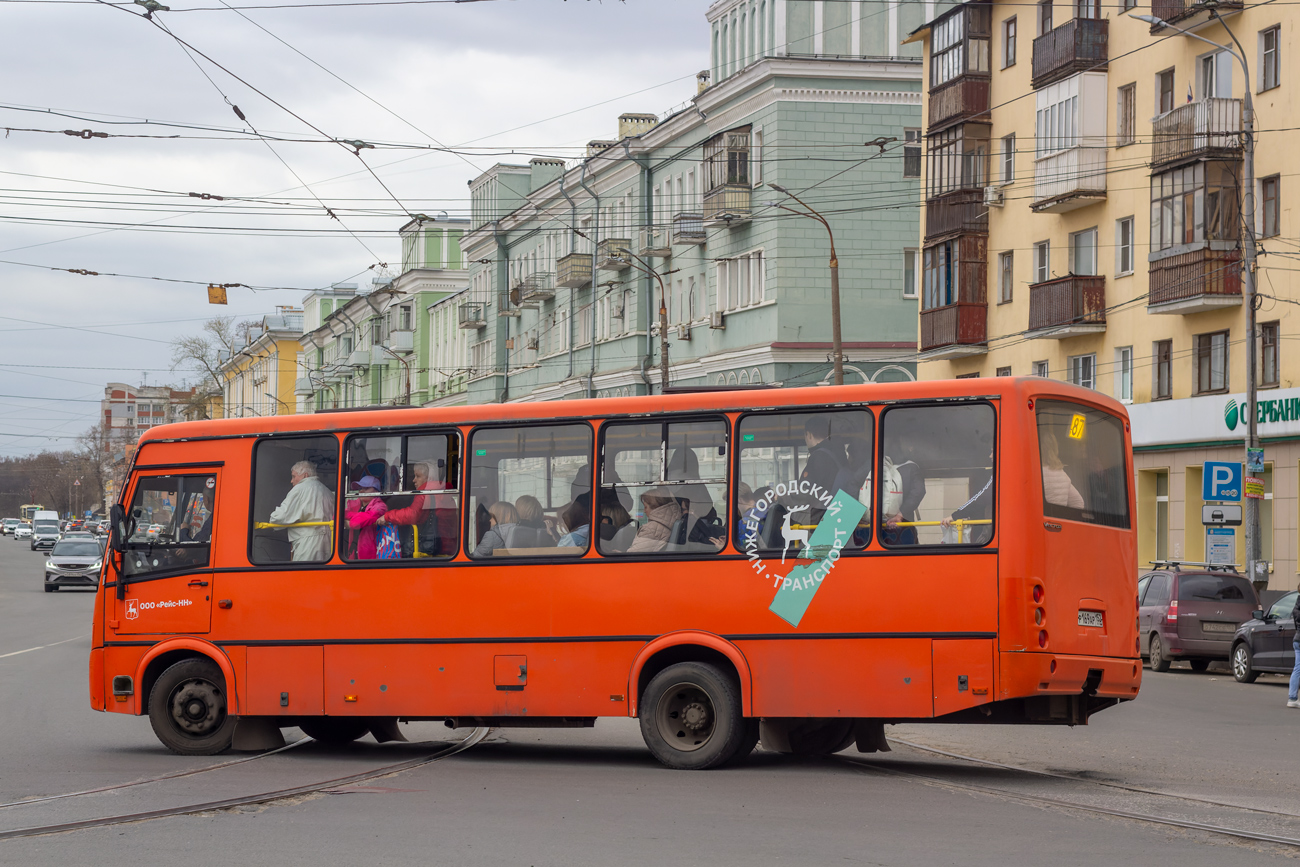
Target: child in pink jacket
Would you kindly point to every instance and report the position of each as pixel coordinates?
(362, 513)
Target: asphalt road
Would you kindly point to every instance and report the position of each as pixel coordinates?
(579, 797)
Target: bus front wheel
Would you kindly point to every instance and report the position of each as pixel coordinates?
(691, 717)
(187, 708)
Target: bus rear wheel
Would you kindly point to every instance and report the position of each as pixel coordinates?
(187, 709)
(334, 729)
(691, 717)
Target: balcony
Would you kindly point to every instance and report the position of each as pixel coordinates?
(573, 271)
(1067, 307)
(1069, 179)
(539, 286)
(1196, 281)
(689, 229)
(963, 211)
(1189, 13)
(954, 331)
(507, 305)
(727, 205)
(1209, 128)
(1078, 45)
(473, 315)
(612, 254)
(959, 99)
(402, 341)
(655, 241)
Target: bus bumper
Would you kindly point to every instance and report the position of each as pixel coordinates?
(1028, 674)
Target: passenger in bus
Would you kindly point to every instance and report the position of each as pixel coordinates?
(504, 522)
(533, 531)
(307, 502)
(577, 520)
(617, 529)
(1057, 487)
(363, 514)
(662, 516)
(749, 524)
(978, 508)
(196, 523)
(704, 527)
(913, 494)
(826, 457)
(421, 510)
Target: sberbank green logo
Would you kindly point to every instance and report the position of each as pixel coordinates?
(1231, 415)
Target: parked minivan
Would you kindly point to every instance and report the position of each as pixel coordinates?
(1191, 611)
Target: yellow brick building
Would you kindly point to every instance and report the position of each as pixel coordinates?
(1083, 186)
(258, 377)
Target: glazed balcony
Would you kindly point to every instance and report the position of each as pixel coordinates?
(1078, 45)
(1067, 307)
(958, 99)
(573, 271)
(962, 211)
(1069, 179)
(727, 205)
(1196, 281)
(954, 331)
(1189, 13)
(1206, 129)
(688, 229)
(612, 254)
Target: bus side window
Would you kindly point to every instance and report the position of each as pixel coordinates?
(295, 484)
(530, 491)
(173, 524)
(663, 487)
(1085, 476)
(402, 500)
(952, 450)
(792, 467)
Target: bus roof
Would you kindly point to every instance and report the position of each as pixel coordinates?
(710, 401)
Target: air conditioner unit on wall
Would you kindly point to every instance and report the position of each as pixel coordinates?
(683, 332)
(993, 197)
(717, 319)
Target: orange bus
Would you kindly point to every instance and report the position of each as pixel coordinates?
(803, 565)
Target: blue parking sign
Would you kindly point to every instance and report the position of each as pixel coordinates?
(1220, 482)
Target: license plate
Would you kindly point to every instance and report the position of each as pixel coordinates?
(1091, 618)
(1218, 627)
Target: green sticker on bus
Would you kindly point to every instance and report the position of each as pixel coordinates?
(795, 590)
(749, 438)
(481, 452)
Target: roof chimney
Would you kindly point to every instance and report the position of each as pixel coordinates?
(634, 124)
(701, 81)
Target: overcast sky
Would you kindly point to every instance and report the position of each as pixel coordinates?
(494, 76)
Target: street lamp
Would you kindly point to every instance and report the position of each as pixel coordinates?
(405, 364)
(1254, 566)
(644, 267)
(277, 400)
(835, 276)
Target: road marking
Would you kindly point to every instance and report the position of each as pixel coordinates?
(43, 646)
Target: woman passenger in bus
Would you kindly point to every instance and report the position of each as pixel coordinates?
(704, 527)
(363, 514)
(662, 514)
(412, 511)
(577, 519)
(532, 531)
(1058, 490)
(504, 522)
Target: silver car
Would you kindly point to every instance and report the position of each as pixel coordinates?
(73, 563)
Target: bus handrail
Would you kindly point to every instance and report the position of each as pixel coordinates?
(266, 525)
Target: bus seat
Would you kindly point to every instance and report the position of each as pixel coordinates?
(771, 536)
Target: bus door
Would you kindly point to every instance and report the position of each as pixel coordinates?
(1085, 508)
(165, 577)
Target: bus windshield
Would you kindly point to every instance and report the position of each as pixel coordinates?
(1082, 452)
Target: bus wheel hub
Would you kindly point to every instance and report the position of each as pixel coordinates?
(196, 707)
(695, 716)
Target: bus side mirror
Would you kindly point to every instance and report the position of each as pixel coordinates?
(121, 528)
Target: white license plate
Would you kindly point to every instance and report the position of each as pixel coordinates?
(1091, 618)
(1218, 627)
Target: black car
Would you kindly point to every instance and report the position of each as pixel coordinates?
(1263, 643)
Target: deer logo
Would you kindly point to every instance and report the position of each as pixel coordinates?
(789, 533)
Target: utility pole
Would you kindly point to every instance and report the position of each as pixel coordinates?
(836, 343)
(1256, 568)
(644, 267)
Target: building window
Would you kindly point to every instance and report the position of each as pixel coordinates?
(941, 280)
(1125, 5)
(1268, 343)
(1042, 261)
(726, 159)
(1009, 42)
(1008, 158)
(1214, 75)
(1087, 9)
(1057, 123)
(1123, 246)
(1269, 67)
(1164, 91)
(1004, 371)
(1162, 371)
(1083, 253)
(957, 159)
(1211, 362)
(1126, 115)
(740, 282)
(1083, 370)
(1268, 197)
(1044, 17)
(1193, 203)
(911, 283)
(975, 375)
(1006, 272)
(960, 44)
(911, 153)
(1162, 515)
(1124, 374)
(1040, 369)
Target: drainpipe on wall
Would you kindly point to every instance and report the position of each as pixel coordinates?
(595, 241)
(503, 279)
(647, 285)
(573, 247)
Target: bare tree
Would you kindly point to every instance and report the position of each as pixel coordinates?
(201, 353)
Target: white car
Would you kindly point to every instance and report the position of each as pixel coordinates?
(23, 531)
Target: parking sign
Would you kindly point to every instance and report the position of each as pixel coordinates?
(1220, 482)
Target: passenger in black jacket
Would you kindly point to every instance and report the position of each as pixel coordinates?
(1292, 697)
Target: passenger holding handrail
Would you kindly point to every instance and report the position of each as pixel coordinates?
(309, 503)
(979, 508)
(363, 514)
(422, 512)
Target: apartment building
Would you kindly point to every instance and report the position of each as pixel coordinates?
(1083, 221)
(571, 262)
(375, 345)
(257, 378)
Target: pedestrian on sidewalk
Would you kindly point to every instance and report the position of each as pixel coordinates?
(1293, 692)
